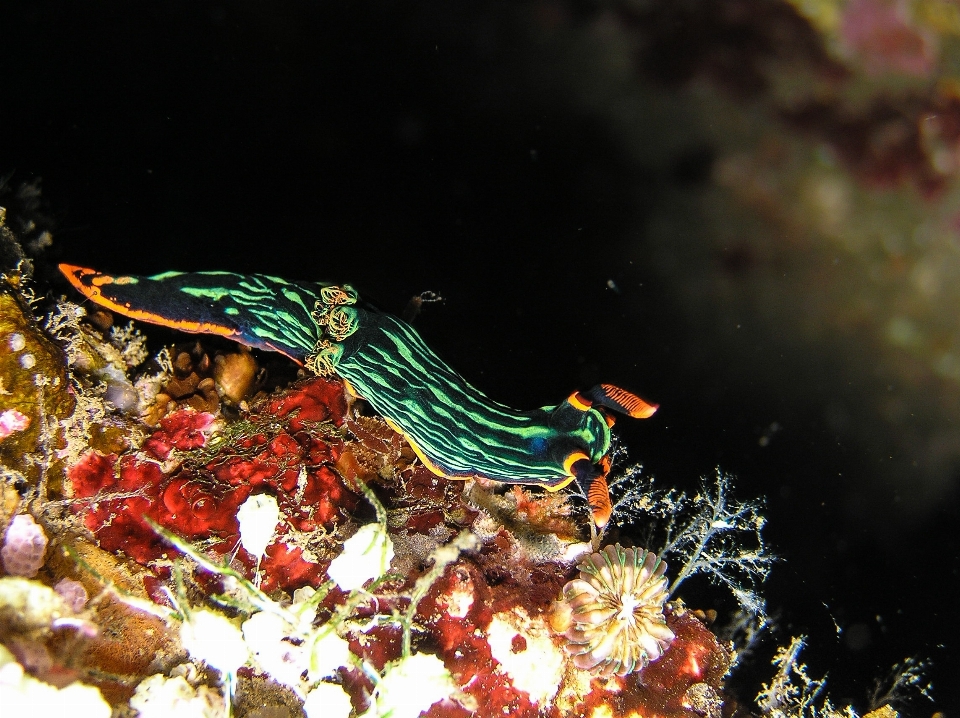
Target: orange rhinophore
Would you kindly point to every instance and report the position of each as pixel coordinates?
(598, 497)
(622, 400)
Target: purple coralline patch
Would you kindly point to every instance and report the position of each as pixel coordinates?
(24, 545)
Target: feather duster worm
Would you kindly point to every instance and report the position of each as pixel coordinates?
(617, 611)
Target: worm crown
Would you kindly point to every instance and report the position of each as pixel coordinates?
(617, 611)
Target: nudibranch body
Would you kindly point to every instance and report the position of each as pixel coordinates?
(455, 429)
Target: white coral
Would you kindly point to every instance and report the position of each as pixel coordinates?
(22, 694)
(161, 697)
(538, 666)
(258, 517)
(266, 634)
(410, 686)
(212, 638)
(366, 555)
(327, 700)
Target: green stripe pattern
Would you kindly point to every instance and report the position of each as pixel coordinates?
(269, 311)
(460, 430)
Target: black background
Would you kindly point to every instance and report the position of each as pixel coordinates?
(408, 148)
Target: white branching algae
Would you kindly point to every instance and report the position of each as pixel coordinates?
(794, 693)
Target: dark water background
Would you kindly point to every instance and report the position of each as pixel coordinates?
(409, 148)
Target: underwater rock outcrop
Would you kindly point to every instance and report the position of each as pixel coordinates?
(305, 535)
(186, 541)
(485, 614)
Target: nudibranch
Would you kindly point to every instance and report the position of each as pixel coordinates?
(456, 430)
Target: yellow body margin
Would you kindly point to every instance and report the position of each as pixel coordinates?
(440, 472)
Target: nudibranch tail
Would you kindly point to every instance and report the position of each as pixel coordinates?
(256, 310)
(108, 291)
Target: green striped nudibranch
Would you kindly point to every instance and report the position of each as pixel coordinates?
(455, 429)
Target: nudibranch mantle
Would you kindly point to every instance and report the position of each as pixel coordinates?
(455, 429)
